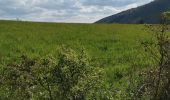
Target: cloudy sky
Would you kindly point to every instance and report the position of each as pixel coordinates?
(78, 11)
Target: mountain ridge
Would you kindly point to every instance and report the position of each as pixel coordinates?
(149, 13)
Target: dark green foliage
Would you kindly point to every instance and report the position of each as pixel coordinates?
(149, 13)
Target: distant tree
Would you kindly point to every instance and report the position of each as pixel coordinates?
(18, 19)
(141, 21)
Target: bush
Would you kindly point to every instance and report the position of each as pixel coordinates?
(70, 76)
(157, 79)
(75, 77)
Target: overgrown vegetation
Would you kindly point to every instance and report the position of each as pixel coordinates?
(117, 67)
(156, 84)
(70, 77)
(110, 47)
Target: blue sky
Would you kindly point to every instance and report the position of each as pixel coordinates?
(77, 11)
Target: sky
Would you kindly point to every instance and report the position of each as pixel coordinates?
(71, 11)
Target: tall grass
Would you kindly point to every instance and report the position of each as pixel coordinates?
(114, 47)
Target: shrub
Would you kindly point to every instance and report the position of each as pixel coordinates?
(157, 79)
(70, 76)
(75, 77)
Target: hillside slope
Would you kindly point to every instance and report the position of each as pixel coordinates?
(148, 13)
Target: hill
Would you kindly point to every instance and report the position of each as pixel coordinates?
(149, 13)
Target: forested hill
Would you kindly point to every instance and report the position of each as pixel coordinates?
(149, 13)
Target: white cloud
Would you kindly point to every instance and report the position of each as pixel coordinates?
(64, 10)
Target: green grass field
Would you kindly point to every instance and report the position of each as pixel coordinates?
(114, 47)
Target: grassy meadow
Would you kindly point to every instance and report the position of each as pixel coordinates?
(115, 47)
